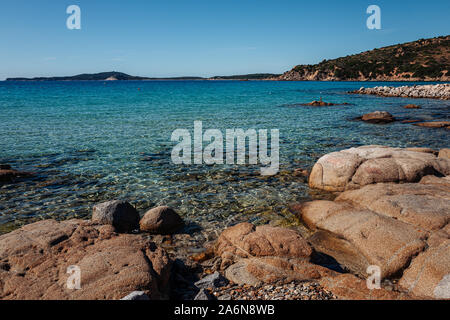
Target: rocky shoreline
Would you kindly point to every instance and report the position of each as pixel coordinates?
(391, 210)
(438, 91)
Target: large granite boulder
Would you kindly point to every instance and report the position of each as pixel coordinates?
(264, 254)
(425, 204)
(34, 263)
(120, 214)
(429, 273)
(356, 167)
(358, 238)
(402, 228)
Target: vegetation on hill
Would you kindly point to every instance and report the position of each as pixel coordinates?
(424, 59)
(254, 76)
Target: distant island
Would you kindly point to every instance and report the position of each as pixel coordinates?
(103, 76)
(421, 60)
(114, 76)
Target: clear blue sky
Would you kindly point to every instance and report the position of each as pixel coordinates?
(201, 37)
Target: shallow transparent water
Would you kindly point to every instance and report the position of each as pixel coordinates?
(93, 141)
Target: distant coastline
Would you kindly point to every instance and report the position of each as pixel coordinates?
(426, 60)
(120, 76)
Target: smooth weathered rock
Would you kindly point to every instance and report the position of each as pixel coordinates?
(136, 296)
(426, 206)
(442, 181)
(349, 287)
(256, 271)
(429, 273)
(161, 220)
(444, 153)
(35, 259)
(425, 150)
(254, 255)
(120, 214)
(433, 124)
(245, 240)
(352, 168)
(357, 238)
(379, 117)
(214, 280)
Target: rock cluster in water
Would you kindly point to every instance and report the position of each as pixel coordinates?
(438, 91)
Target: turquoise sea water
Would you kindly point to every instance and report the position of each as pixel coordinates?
(93, 141)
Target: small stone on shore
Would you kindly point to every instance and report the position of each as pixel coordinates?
(161, 220)
(120, 214)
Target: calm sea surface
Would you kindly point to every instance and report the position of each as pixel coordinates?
(93, 141)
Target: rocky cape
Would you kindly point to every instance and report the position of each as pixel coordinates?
(421, 60)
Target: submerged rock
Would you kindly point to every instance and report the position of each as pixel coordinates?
(120, 214)
(411, 121)
(433, 124)
(9, 175)
(161, 220)
(412, 106)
